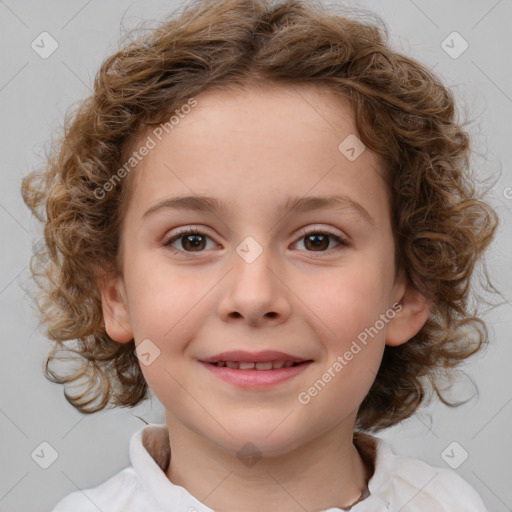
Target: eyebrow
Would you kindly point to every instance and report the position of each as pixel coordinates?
(294, 204)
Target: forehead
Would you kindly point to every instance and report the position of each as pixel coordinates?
(255, 142)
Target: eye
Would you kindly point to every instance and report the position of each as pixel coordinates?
(315, 240)
(193, 240)
(318, 240)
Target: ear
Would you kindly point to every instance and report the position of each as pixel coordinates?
(115, 307)
(411, 314)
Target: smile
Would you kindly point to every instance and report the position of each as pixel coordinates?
(268, 365)
(255, 376)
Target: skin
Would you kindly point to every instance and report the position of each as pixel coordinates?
(251, 150)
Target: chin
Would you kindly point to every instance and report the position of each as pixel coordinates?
(253, 441)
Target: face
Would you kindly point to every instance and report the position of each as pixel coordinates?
(251, 275)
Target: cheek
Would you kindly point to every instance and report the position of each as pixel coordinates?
(351, 299)
(168, 308)
(164, 299)
(353, 334)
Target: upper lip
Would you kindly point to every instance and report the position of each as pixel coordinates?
(253, 357)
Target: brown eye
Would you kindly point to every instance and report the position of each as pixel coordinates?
(316, 240)
(189, 240)
(193, 242)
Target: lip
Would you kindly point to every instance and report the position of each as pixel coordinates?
(253, 357)
(255, 379)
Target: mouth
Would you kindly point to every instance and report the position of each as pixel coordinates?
(258, 366)
(261, 370)
(245, 360)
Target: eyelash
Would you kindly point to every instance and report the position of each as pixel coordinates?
(192, 230)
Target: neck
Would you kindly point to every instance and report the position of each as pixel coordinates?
(324, 473)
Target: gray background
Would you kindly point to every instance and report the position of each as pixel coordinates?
(34, 95)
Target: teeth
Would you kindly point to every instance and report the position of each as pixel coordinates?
(262, 366)
(267, 365)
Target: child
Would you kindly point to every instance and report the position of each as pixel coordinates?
(264, 214)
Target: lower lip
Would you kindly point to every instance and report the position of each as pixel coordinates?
(255, 378)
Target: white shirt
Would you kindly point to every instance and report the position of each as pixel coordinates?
(398, 483)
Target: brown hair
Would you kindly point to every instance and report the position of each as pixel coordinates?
(402, 112)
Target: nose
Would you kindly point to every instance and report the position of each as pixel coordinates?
(255, 292)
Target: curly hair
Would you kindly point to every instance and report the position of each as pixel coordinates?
(403, 113)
